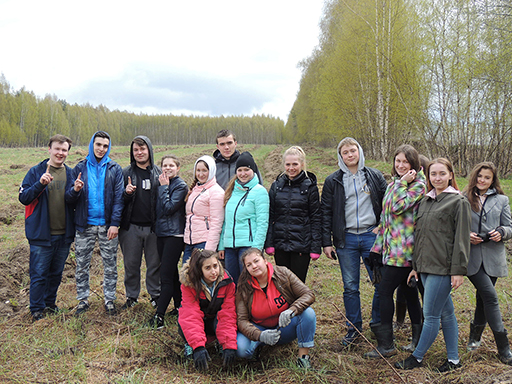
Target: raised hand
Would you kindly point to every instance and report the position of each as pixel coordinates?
(130, 188)
(79, 184)
(46, 177)
(164, 180)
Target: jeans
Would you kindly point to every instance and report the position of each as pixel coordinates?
(189, 248)
(232, 258)
(349, 257)
(169, 250)
(487, 303)
(302, 328)
(438, 307)
(46, 266)
(296, 262)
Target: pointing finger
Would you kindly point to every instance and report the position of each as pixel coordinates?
(48, 168)
(129, 180)
(79, 176)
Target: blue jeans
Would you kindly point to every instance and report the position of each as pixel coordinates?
(438, 307)
(349, 257)
(46, 266)
(302, 328)
(189, 248)
(233, 262)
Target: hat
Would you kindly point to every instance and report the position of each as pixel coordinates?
(246, 160)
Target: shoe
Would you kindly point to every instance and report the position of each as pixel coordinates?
(501, 339)
(448, 366)
(409, 363)
(416, 333)
(475, 334)
(188, 352)
(385, 343)
(154, 302)
(110, 308)
(351, 337)
(37, 315)
(304, 362)
(174, 312)
(156, 322)
(51, 309)
(82, 307)
(129, 303)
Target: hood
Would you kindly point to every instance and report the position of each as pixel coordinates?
(220, 159)
(90, 156)
(185, 279)
(270, 271)
(342, 165)
(150, 148)
(212, 168)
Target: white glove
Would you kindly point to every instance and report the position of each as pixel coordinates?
(285, 318)
(270, 336)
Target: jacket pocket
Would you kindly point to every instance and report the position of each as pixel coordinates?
(250, 230)
(207, 223)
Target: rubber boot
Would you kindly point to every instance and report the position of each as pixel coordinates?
(400, 311)
(385, 344)
(475, 334)
(503, 347)
(416, 332)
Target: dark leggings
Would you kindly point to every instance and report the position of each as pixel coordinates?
(392, 277)
(169, 250)
(296, 262)
(487, 305)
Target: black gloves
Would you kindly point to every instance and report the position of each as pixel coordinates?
(201, 358)
(229, 357)
(375, 263)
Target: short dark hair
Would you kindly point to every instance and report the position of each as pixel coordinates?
(224, 133)
(60, 139)
(101, 135)
(173, 158)
(140, 142)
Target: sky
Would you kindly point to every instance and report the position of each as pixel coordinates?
(195, 57)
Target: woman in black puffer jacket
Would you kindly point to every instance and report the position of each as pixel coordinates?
(293, 235)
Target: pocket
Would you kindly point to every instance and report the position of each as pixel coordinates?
(206, 222)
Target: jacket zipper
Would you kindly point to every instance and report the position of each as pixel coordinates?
(206, 221)
(244, 197)
(250, 231)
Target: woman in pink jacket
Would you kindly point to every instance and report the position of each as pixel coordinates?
(204, 209)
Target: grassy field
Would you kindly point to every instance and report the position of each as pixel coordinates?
(101, 349)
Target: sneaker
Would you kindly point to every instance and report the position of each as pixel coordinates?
(51, 309)
(37, 315)
(156, 322)
(129, 303)
(81, 308)
(304, 362)
(409, 363)
(174, 312)
(449, 366)
(110, 308)
(188, 352)
(154, 302)
(351, 337)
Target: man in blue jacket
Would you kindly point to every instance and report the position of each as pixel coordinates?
(48, 224)
(98, 194)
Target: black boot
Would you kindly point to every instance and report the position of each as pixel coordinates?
(400, 311)
(416, 332)
(475, 334)
(503, 347)
(385, 344)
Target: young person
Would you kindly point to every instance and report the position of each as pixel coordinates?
(294, 234)
(170, 222)
(441, 250)
(98, 195)
(207, 309)
(204, 209)
(49, 225)
(395, 242)
(351, 207)
(490, 226)
(246, 215)
(273, 307)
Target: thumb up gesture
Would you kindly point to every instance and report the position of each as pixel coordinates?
(130, 188)
(79, 184)
(46, 177)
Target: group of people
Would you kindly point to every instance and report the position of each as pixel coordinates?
(417, 232)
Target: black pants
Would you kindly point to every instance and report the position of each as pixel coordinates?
(296, 262)
(169, 250)
(487, 305)
(392, 277)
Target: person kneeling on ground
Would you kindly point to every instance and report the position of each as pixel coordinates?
(207, 309)
(273, 307)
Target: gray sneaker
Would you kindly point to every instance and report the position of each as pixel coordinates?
(129, 303)
(82, 307)
(110, 308)
(304, 362)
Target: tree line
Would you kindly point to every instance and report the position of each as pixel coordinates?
(433, 73)
(28, 120)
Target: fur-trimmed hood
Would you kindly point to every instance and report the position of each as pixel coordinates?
(185, 278)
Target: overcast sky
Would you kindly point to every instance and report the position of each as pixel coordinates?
(208, 57)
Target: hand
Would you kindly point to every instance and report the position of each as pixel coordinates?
(270, 336)
(112, 232)
(79, 184)
(229, 356)
(412, 274)
(495, 235)
(314, 256)
(130, 188)
(327, 251)
(285, 318)
(201, 358)
(409, 176)
(375, 230)
(270, 251)
(46, 178)
(457, 281)
(221, 255)
(474, 238)
(164, 180)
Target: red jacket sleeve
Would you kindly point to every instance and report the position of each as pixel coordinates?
(226, 317)
(191, 318)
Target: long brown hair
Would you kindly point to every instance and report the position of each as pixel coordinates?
(229, 189)
(412, 156)
(471, 190)
(448, 165)
(195, 269)
(244, 285)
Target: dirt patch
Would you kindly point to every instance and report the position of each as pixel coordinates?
(273, 165)
(14, 276)
(8, 215)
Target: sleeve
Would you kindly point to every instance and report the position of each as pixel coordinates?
(30, 188)
(269, 241)
(315, 215)
(505, 219)
(220, 247)
(216, 217)
(243, 312)
(262, 208)
(406, 196)
(71, 195)
(304, 295)
(326, 207)
(191, 318)
(461, 244)
(118, 203)
(226, 319)
(126, 197)
(172, 199)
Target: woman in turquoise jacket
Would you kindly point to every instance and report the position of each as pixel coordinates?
(246, 215)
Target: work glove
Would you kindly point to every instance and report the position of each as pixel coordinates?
(314, 256)
(270, 336)
(375, 264)
(270, 251)
(201, 358)
(229, 357)
(285, 318)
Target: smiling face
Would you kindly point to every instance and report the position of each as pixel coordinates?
(169, 168)
(402, 165)
(439, 177)
(226, 146)
(292, 166)
(202, 172)
(141, 155)
(210, 270)
(484, 180)
(350, 155)
(244, 174)
(100, 147)
(58, 153)
(256, 266)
